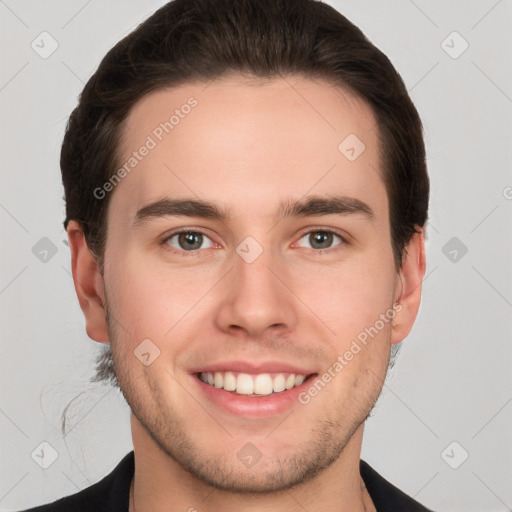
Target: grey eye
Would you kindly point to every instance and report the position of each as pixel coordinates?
(320, 239)
(189, 241)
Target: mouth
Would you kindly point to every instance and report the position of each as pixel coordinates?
(252, 389)
(253, 385)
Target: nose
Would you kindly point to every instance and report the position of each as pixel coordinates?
(256, 299)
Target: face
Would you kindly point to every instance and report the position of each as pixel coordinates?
(247, 248)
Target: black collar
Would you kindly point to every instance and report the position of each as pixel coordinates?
(385, 496)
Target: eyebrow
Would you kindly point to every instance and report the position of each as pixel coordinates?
(311, 206)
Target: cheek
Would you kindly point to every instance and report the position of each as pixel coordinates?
(152, 301)
(348, 298)
(137, 299)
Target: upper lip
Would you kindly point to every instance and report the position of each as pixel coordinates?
(253, 368)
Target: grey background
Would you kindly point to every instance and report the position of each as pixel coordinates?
(452, 380)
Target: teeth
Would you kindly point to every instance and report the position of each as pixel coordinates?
(244, 384)
(229, 381)
(256, 385)
(218, 380)
(263, 384)
(279, 383)
(299, 379)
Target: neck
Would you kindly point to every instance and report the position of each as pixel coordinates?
(161, 484)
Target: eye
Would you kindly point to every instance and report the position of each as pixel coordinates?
(320, 239)
(189, 241)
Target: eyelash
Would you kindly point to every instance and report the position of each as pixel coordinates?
(193, 253)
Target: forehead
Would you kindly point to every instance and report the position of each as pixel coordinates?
(248, 143)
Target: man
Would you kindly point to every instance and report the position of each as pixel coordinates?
(246, 196)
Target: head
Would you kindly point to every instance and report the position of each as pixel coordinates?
(275, 120)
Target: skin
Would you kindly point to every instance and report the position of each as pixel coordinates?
(249, 145)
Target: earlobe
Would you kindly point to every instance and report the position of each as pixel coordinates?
(89, 284)
(409, 281)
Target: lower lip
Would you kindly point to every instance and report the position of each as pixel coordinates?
(255, 407)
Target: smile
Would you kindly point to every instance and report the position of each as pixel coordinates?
(261, 384)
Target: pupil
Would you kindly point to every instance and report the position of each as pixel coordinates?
(322, 239)
(190, 240)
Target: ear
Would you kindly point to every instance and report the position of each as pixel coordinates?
(89, 284)
(411, 277)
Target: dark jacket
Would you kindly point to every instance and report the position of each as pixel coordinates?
(112, 493)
